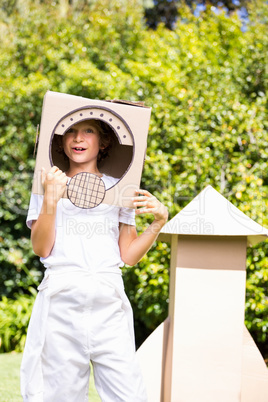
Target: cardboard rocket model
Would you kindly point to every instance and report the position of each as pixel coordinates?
(203, 352)
(127, 123)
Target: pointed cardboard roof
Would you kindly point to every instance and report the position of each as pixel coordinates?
(210, 213)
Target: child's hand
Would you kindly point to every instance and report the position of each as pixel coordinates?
(146, 203)
(54, 183)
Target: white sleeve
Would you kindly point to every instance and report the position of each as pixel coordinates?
(35, 206)
(127, 215)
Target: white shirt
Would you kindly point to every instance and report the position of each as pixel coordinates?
(85, 238)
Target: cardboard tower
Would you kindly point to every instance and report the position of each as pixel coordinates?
(128, 123)
(202, 351)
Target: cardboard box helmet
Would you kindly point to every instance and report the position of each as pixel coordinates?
(125, 123)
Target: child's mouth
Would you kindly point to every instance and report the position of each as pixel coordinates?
(79, 149)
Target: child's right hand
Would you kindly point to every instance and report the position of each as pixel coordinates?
(54, 182)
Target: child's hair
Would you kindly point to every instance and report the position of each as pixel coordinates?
(107, 139)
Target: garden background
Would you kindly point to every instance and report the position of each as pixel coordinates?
(205, 77)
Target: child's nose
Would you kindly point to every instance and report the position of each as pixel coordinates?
(78, 135)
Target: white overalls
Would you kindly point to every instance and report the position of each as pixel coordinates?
(82, 314)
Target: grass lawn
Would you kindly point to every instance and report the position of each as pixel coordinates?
(10, 379)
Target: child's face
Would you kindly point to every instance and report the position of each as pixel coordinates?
(81, 143)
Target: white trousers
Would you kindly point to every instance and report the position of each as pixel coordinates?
(87, 321)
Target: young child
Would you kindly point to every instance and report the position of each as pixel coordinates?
(81, 313)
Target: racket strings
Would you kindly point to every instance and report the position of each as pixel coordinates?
(86, 190)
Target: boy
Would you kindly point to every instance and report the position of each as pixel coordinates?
(81, 313)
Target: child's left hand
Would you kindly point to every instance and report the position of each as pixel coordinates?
(146, 203)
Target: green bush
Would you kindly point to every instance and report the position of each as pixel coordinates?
(206, 81)
(14, 320)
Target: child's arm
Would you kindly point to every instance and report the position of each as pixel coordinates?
(132, 246)
(43, 229)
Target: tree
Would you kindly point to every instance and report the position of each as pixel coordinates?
(167, 11)
(206, 82)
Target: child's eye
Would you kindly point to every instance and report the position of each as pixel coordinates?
(89, 130)
(71, 130)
